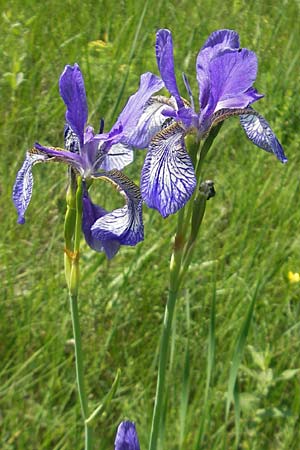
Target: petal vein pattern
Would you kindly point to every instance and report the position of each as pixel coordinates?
(124, 224)
(22, 190)
(260, 133)
(91, 213)
(151, 120)
(168, 179)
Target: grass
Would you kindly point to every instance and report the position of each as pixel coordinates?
(223, 352)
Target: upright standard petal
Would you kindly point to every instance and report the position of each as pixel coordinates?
(223, 38)
(22, 190)
(260, 133)
(151, 120)
(126, 437)
(134, 108)
(123, 224)
(72, 91)
(90, 214)
(216, 43)
(165, 62)
(231, 75)
(168, 179)
(211, 62)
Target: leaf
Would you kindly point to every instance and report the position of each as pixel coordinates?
(288, 374)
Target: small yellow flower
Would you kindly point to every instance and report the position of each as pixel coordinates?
(293, 277)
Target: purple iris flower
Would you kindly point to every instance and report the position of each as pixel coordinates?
(94, 156)
(126, 438)
(225, 75)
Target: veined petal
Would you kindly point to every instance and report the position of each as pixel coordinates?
(126, 438)
(221, 115)
(90, 214)
(223, 38)
(151, 120)
(168, 179)
(124, 224)
(71, 141)
(165, 62)
(22, 190)
(134, 108)
(117, 157)
(72, 91)
(260, 133)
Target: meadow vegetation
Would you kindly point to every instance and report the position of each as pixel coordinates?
(235, 360)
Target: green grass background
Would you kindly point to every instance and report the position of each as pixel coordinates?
(236, 333)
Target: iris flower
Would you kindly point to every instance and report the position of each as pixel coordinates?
(225, 76)
(126, 438)
(95, 156)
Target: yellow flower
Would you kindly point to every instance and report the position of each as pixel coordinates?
(293, 277)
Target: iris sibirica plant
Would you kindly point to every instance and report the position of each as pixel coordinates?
(171, 174)
(177, 135)
(91, 157)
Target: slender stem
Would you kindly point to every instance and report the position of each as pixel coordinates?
(72, 235)
(166, 332)
(189, 217)
(78, 355)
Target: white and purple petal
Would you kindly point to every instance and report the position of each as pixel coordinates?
(165, 62)
(151, 120)
(117, 157)
(123, 224)
(135, 106)
(72, 91)
(168, 179)
(90, 214)
(71, 141)
(222, 38)
(126, 437)
(260, 133)
(22, 190)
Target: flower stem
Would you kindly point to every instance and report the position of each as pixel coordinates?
(166, 332)
(189, 218)
(72, 240)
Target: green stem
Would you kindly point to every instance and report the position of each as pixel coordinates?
(166, 332)
(189, 217)
(72, 236)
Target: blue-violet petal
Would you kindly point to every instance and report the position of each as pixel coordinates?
(168, 179)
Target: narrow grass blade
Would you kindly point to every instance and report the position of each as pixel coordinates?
(185, 381)
(211, 351)
(238, 351)
(107, 399)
